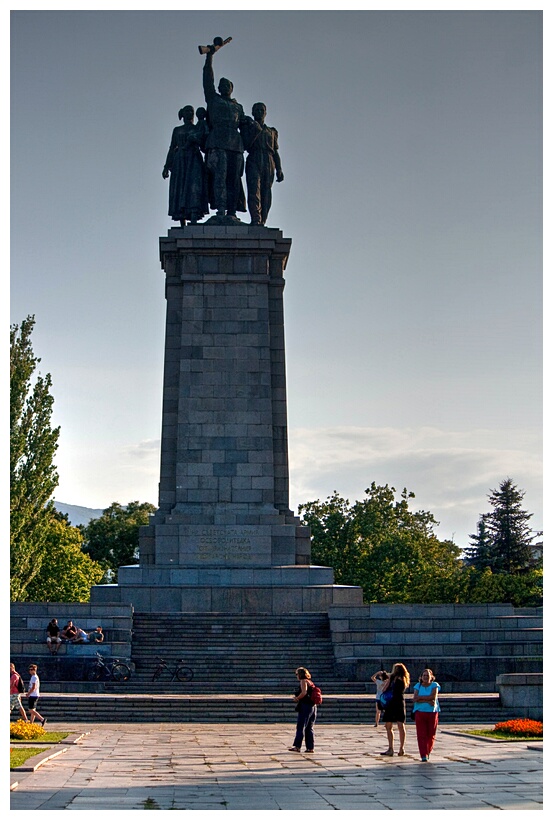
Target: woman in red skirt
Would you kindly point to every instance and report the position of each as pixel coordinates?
(426, 708)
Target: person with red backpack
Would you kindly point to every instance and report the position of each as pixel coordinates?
(306, 697)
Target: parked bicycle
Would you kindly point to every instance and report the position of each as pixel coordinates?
(111, 670)
(180, 672)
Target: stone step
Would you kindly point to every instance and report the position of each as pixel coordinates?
(67, 649)
(465, 669)
(362, 624)
(223, 617)
(144, 685)
(513, 637)
(268, 708)
(39, 636)
(443, 650)
(229, 629)
(251, 651)
(275, 655)
(443, 636)
(142, 635)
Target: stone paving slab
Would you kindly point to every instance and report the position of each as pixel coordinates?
(233, 767)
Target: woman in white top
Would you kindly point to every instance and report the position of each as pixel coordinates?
(380, 678)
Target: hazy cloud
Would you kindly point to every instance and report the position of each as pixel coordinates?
(451, 473)
(148, 449)
(448, 474)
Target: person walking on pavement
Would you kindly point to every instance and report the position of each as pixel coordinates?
(33, 695)
(426, 709)
(17, 687)
(395, 708)
(307, 712)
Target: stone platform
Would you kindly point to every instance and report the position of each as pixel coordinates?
(240, 590)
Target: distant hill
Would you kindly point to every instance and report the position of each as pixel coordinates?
(77, 515)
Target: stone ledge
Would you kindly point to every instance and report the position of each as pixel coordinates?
(34, 762)
(244, 599)
(294, 575)
(523, 692)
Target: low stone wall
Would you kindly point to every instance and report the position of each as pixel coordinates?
(28, 623)
(522, 694)
(466, 645)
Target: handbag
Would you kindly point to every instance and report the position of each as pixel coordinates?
(386, 696)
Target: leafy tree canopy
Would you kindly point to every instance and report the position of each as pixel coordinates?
(393, 553)
(382, 545)
(112, 539)
(66, 572)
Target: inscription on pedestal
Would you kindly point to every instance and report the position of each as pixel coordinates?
(224, 545)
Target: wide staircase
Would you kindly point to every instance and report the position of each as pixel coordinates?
(244, 666)
(231, 654)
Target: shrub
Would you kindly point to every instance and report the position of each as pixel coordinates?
(522, 726)
(26, 731)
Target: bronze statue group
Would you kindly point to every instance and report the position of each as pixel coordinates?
(205, 161)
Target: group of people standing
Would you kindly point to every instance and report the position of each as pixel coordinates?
(390, 706)
(17, 689)
(222, 133)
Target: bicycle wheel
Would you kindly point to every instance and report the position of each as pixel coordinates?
(94, 673)
(184, 673)
(120, 671)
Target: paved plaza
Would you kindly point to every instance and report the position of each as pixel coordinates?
(241, 767)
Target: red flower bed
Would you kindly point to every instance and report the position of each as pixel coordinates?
(522, 726)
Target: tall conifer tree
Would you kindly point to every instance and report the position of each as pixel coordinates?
(504, 541)
(33, 443)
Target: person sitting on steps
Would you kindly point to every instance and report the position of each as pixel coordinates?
(53, 639)
(69, 631)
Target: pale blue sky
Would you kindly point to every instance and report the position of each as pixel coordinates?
(411, 148)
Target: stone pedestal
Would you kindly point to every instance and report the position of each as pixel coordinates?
(522, 694)
(224, 517)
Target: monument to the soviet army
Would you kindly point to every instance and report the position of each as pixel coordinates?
(223, 538)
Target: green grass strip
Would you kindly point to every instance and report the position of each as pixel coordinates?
(19, 756)
(502, 735)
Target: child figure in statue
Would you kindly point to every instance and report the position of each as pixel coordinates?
(188, 183)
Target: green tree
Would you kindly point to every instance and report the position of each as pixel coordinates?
(33, 476)
(479, 553)
(385, 547)
(504, 542)
(66, 572)
(112, 539)
(487, 587)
